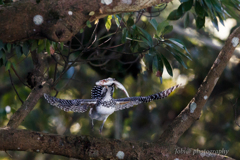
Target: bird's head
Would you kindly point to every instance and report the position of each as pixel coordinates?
(111, 81)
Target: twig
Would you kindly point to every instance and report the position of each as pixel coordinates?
(130, 62)
(8, 154)
(99, 65)
(56, 92)
(19, 77)
(14, 86)
(68, 81)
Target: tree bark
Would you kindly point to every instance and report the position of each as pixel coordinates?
(192, 112)
(60, 19)
(86, 147)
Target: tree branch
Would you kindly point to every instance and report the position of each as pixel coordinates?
(86, 147)
(60, 19)
(41, 87)
(192, 111)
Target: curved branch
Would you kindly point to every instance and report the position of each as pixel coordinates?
(193, 110)
(86, 147)
(58, 20)
(41, 86)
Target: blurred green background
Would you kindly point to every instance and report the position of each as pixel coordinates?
(215, 130)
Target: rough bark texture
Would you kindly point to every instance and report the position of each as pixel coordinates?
(61, 19)
(193, 110)
(86, 147)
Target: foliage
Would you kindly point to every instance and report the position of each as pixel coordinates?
(113, 47)
(221, 9)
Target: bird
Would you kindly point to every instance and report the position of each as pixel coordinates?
(102, 104)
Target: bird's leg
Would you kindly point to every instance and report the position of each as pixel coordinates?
(101, 128)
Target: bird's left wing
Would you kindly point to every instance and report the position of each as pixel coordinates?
(123, 103)
(75, 105)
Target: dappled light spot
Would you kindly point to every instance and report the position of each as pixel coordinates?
(205, 97)
(193, 106)
(75, 128)
(107, 2)
(235, 41)
(70, 13)
(38, 19)
(8, 109)
(120, 155)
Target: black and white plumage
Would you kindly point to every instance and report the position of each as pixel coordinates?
(102, 104)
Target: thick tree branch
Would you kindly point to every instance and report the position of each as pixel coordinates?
(86, 147)
(193, 110)
(41, 86)
(61, 19)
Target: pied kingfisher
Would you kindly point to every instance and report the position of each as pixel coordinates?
(102, 104)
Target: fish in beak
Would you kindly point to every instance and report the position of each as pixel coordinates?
(110, 81)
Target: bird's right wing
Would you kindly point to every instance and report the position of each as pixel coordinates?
(123, 103)
(75, 105)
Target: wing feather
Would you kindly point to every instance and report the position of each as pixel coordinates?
(75, 105)
(124, 103)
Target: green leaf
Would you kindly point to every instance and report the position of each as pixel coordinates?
(200, 22)
(184, 7)
(148, 60)
(48, 44)
(167, 65)
(174, 44)
(8, 65)
(18, 51)
(14, 65)
(34, 45)
(152, 51)
(25, 48)
(154, 24)
(81, 30)
(215, 23)
(108, 35)
(88, 23)
(40, 41)
(130, 22)
(216, 5)
(1, 44)
(146, 35)
(108, 22)
(221, 18)
(158, 63)
(116, 20)
(178, 58)
(186, 21)
(41, 47)
(199, 10)
(174, 15)
(161, 27)
(124, 35)
(167, 29)
(61, 44)
(9, 46)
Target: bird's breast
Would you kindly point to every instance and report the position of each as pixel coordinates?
(104, 110)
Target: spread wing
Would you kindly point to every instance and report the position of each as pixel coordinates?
(123, 103)
(75, 105)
